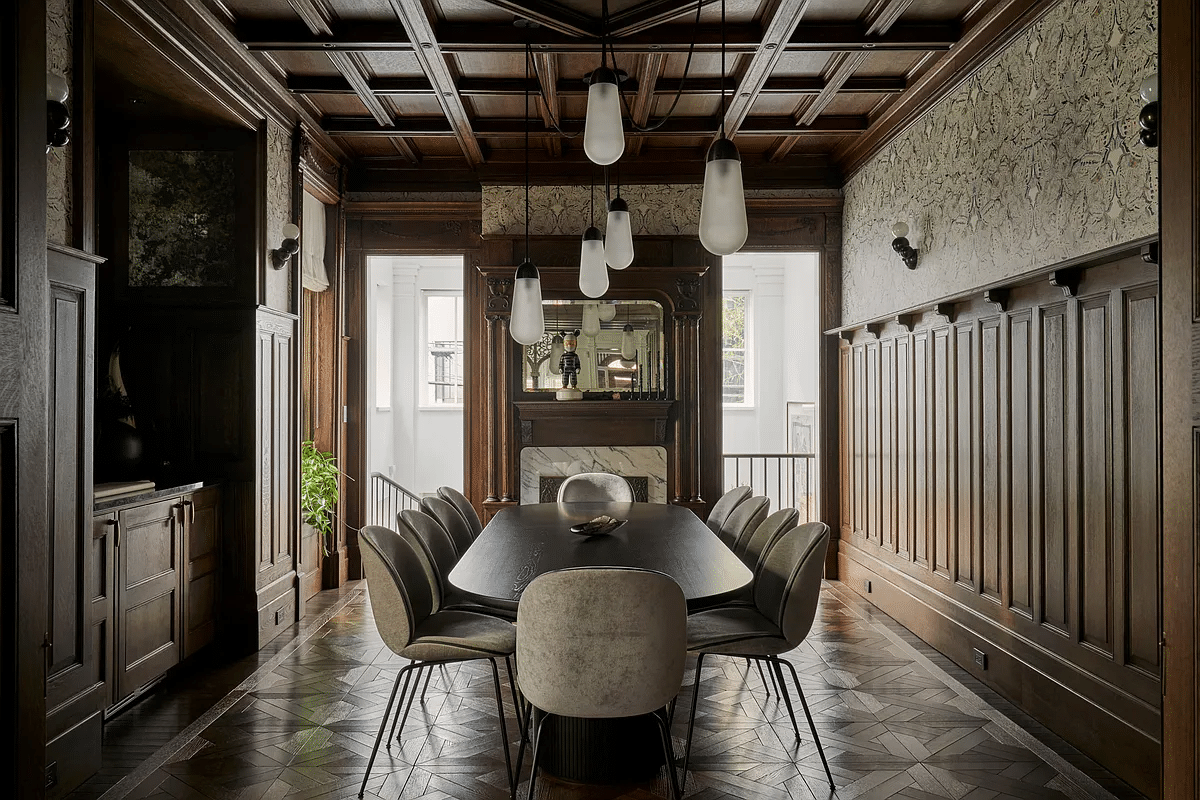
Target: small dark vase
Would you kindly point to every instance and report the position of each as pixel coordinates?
(120, 451)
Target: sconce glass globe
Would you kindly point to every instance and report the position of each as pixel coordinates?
(591, 321)
(527, 324)
(1149, 89)
(628, 345)
(618, 235)
(556, 351)
(593, 274)
(723, 228)
(57, 88)
(291, 231)
(603, 136)
(607, 312)
(900, 230)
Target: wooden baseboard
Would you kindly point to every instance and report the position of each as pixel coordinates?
(1015, 667)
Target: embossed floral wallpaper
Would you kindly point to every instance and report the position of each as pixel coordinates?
(1033, 160)
(58, 160)
(279, 213)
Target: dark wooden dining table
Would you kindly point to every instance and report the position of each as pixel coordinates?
(522, 542)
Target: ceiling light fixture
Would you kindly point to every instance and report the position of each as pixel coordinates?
(527, 324)
(723, 228)
(593, 274)
(603, 133)
(618, 232)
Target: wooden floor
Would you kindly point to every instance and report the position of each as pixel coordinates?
(298, 720)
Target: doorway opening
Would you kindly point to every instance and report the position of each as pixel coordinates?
(770, 377)
(414, 343)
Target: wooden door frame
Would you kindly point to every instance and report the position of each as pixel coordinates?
(1179, 63)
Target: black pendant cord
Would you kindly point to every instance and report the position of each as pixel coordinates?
(528, 58)
(722, 69)
(618, 177)
(604, 38)
(687, 66)
(607, 186)
(592, 202)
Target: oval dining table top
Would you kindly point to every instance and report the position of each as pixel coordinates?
(522, 542)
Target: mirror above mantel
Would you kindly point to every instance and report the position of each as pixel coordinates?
(612, 359)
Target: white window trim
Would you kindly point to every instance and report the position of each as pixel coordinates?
(423, 403)
(748, 404)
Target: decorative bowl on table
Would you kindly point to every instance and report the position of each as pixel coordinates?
(599, 526)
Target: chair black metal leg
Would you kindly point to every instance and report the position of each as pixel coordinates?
(428, 675)
(762, 675)
(524, 739)
(512, 786)
(537, 743)
(687, 749)
(412, 696)
(512, 687)
(774, 666)
(415, 668)
(664, 732)
(811, 726)
(405, 671)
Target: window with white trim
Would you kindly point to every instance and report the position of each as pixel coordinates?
(736, 373)
(443, 348)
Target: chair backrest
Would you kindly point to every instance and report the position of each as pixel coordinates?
(725, 505)
(595, 487)
(601, 641)
(788, 583)
(436, 543)
(450, 520)
(750, 548)
(397, 582)
(744, 520)
(464, 508)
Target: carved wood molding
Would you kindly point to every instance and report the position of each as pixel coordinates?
(997, 297)
(686, 304)
(409, 209)
(1068, 280)
(498, 297)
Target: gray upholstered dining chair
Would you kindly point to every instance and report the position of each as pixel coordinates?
(749, 548)
(744, 520)
(464, 508)
(439, 549)
(601, 642)
(403, 605)
(787, 587)
(595, 487)
(449, 518)
(725, 505)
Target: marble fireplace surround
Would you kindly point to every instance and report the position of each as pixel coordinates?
(648, 462)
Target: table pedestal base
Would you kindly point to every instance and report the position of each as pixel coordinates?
(622, 750)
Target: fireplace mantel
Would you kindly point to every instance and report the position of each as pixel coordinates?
(621, 423)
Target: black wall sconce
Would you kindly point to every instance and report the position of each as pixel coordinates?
(58, 116)
(1148, 117)
(900, 244)
(287, 248)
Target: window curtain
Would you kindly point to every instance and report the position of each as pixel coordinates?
(312, 255)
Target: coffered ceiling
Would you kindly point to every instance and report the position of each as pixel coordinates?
(439, 87)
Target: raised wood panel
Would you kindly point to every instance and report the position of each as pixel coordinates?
(1018, 450)
(202, 531)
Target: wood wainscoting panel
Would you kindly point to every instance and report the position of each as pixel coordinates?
(1002, 470)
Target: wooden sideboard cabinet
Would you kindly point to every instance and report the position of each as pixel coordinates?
(162, 603)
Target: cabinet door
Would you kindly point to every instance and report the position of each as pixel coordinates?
(149, 616)
(201, 532)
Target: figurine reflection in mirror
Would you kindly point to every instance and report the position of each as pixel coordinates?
(569, 365)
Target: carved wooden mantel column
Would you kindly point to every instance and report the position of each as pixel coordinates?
(496, 315)
(686, 383)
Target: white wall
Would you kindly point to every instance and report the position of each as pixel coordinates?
(418, 446)
(785, 334)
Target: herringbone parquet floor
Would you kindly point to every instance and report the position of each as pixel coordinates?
(893, 723)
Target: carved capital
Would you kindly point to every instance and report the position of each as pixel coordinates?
(686, 303)
(660, 431)
(526, 431)
(498, 295)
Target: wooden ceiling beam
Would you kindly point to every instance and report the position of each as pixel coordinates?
(551, 16)
(650, 69)
(571, 87)
(259, 35)
(650, 14)
(545, 66)
(419, 127)
(433, 64)
(779, 30)
(352, 71)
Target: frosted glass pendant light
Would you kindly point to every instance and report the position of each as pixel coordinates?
(528, 325)
(723, 227)
(607, 312)
(618, 235)
(628, 345)
(603, 136)
(591, 321)
(556, 351)
(593, 274)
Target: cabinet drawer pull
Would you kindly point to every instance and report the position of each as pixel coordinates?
(116, 525)
(191, 507)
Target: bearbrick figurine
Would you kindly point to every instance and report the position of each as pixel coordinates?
(568, 365)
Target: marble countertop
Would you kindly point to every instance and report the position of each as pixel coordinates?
(113, 503)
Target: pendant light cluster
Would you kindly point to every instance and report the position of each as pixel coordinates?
(527, 325)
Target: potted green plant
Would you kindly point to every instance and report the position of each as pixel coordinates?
(318, 491)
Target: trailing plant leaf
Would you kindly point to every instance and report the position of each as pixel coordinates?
(318, 490)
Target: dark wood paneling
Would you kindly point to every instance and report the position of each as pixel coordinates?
(1033, 501)
(202, 535)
